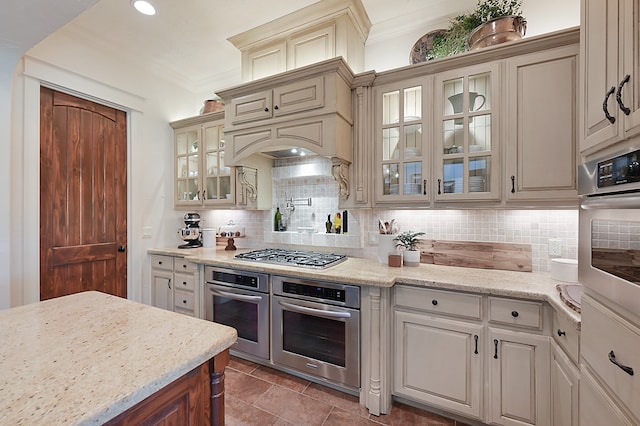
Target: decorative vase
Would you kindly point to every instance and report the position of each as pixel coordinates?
(496, 31)
(411, 258)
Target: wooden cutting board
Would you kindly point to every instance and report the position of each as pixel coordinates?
(483, 255)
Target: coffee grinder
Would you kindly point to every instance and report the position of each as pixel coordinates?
(191, 233)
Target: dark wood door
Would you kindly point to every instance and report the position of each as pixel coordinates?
(83, 196)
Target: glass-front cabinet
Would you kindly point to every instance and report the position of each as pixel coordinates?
(466, 140)
(402, 142)
(201, 176)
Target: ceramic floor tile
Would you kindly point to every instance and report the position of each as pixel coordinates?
(300, 409)
(242, 365)
(243, 386)
(340, 417)
(336, 398)
(402, 415)
(240, 413)
(279, 378)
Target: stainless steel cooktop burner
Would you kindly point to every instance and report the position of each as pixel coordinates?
(307, 259)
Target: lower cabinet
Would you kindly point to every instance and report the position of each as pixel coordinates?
(439, 361)
(174, 285)
(564, 389)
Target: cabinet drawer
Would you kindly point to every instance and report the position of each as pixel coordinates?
(184, 282)
(162, 262)
(182, 265)
(519, 313)
(439, 302)
(184, 300)
(566, 335)
(604, 332)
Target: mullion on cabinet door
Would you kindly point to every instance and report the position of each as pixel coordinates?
(187, 145)
(402, 142)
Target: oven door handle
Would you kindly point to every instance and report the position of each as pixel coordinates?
(316, 312)
(620, 201)
(236, 296)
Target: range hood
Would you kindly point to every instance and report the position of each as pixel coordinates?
(308, 109)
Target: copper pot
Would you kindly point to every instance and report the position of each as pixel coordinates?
(212, 105)
(497, 30)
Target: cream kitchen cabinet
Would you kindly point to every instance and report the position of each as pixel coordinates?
(467, 141)
(174, 285)
(564, 389)
(541, 147)
(402, 143)
(609, 363)
(438, 356)
(202, 177)
(610, 73)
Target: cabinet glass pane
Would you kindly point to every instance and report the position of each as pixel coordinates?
(181, 144)
(453, 97)
(225, 187)
(480, 133)
(453, 137)
(413, 140)
(479, 173)
(212, 137)
(183, 170)
(390, 107)
(390, 139)
(224, 169)
(479, 92)
(212, 188)
(453, 176)
(413, 103)
(212, 163)
(187, 189)
(193, 165)
(412, 178)
(390, 179)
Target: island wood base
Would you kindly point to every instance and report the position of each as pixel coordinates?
(197, 398)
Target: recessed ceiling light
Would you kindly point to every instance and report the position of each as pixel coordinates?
(144, 7)
(294, 150)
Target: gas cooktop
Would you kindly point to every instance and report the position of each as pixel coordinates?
(306, 259)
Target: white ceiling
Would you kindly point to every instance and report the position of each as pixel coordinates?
(186, 40)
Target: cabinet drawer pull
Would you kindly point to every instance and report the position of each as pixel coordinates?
(624, 81)
(495, 343)
(439, 181)
(424, 186)
(605, 108)
(434, 302)
(513, 184)
(612, 358)
(514, 314)
(475, 337)
(169, 283)
(561, 333)
(204, 194)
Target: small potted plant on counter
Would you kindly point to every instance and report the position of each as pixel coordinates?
(410, 241)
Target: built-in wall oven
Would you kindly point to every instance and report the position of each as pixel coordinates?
(609, 228)
(240, 299)
(316, 329)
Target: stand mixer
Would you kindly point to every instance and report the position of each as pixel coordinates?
(191, 233)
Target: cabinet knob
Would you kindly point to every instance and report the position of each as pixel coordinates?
(275, 107)
(184, 266)
(434, 302)
(122, 249)
(184, 301)
(514, 314)
(561, 333)
(266, 110)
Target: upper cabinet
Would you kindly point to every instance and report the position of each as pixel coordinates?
(466, 128)
(330, 28)
(610, 73)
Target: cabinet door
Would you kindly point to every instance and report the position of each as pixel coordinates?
(439, 362)
(541, 126)
(402, 143)
(264, 61)
(600, 39)
(519, 375)
(162, 289)
(467, 145)
(219, 181)
(564, 389)
(299, 96)
(596, 405)
(630, 93)
(257, 106)
(311, 46)
(187, 166)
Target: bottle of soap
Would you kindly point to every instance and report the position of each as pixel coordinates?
(277, 220)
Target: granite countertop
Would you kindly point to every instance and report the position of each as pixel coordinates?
(526, 285)
(87, 357)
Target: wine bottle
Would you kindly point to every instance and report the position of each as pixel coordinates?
(277, 220)
(328, 224)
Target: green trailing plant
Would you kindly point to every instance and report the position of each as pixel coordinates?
(454, 40)
(409, 240)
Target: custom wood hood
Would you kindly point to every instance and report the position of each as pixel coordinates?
(308, 108)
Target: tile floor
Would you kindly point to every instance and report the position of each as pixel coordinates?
(259, 395)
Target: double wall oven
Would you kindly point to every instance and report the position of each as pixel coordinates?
(609, 227)
(300, 325)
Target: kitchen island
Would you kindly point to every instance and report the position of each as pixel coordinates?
(93, 358)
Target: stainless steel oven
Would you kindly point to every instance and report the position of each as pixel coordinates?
(240, 299)
(316, 329)
(609, 229)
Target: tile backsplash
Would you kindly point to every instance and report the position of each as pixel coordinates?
(300, 179)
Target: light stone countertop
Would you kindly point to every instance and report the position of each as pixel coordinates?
(525, 285)
(83, 359)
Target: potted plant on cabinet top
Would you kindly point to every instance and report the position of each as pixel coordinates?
(492, 22)
(410, 241)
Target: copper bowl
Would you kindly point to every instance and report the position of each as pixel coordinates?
(212, 105)
(496, 31)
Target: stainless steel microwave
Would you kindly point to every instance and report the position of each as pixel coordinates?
(609, 228)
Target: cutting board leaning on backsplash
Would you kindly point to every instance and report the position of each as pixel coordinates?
(471, 254)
